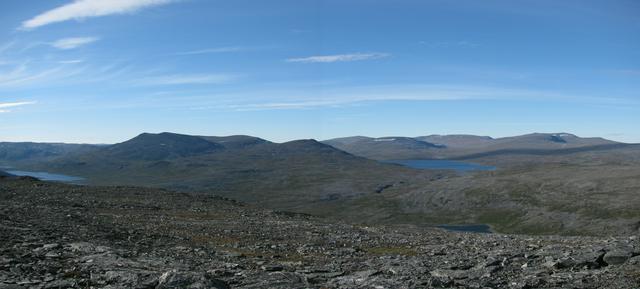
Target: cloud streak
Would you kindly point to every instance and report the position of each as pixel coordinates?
(339, 58)
(213, 50)
(5, 105)
(73, 42)
(345, 97)
(82, 9)
(182, 79)
(25, 74)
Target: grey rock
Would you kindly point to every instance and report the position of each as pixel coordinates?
(10, 286)
(272, 268)
(617, 256)
(590, 259)
(175, 279)
(65, 283)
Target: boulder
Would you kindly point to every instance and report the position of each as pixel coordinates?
(175, 279)
(618, 256)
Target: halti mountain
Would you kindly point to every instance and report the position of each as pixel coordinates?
(464, 146)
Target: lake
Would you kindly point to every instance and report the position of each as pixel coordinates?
(47, 176)
(460, 167)
(480, 228)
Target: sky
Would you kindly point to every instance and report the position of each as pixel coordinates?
(104, 71)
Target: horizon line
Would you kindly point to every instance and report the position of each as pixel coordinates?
(315, 139)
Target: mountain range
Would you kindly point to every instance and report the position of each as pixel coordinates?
(545, 183)
(281, 175)
(464, 146)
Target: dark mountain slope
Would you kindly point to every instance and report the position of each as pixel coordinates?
(155, 147)
(541, 152)
(14, 153)
(235, 141)
(458, 141)
(384, 148)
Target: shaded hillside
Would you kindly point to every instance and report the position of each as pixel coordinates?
(235, 141)
(387, 147)
(530, 152)
(466, 146)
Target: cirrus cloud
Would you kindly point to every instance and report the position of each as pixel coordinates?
(5, 105)
(73, 42)
(183, 79)
(82, 9)
(339, 58)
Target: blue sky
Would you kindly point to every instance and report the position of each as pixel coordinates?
(103, 71)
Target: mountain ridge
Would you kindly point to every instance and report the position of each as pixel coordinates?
(464, 146)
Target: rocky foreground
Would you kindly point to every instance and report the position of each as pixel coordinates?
(62, 236)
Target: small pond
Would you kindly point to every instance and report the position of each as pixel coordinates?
(460, 167)
(44, 176)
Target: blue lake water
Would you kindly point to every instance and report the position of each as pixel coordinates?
(481, 228)
(44, 176)
(460, 167)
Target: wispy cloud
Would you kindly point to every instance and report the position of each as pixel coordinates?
(353, 96)
(342, 97)
(21, 74)
(214, 50)
(28, 72)
(72, 61)
(73, 42)
(286, 105)
(449, 44)
(4, 106)
(627, 72)
(339, 58)
(5, 47)
(180, 79)
(82, 9)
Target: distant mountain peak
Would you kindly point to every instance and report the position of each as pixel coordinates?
(305, 142)
(235, 141)
(564, 134)
(385, 139)
(149, 146)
